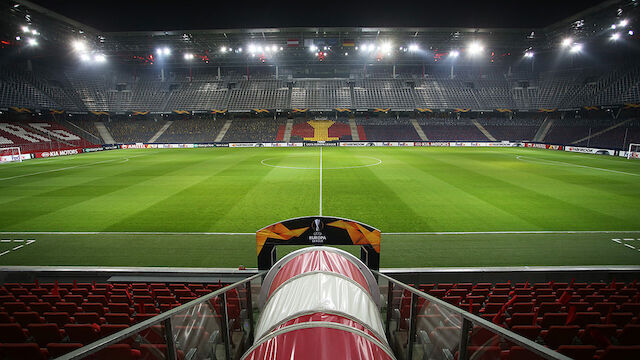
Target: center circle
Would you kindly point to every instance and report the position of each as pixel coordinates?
(312, 162)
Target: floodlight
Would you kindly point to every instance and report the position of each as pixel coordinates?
(260, 48)
(615, 37)
(35, 32)
(566, 42)
(528, 54)
(623, 23)
(25, 29)
(85, 57)
(576, 48)
(325, 54)
(631, 32)
(18, 38)
(613, 26)
(166, 51)
(252, 48)
(79, 45)
(454, 53)
(223, 49)
(239, 50)
(313, 48)
(414, 47)
(188, 56)
(99, 58)
(475, 48)
(32, 42)
(346, 54)
(280, 48)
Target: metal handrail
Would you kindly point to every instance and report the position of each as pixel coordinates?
(114, 338)
(511, 336)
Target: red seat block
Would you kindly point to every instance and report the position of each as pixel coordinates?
(41, 307)
(12, 333)
(630, 335)
(29, 351)
(560, 335)
(621, 352)
(578, 352)
(58, 349)
(45, 333)
(88, 318)
(118, 351)
(531, 332)
(114, 318)
(59, 318)
(520, 353)
(82, 333)
(27, 317)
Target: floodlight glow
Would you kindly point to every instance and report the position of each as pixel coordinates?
(25, 29)
(313, 48)
(566, 42)
(623, 23)
(223, 49)
(615, 36)
(528, 54)
(35, 32)
(79, 45)
(260, 48)
(372, 47)
(18, 38)
(85, 57)
(99, 58)
(252, 48)
(613, 26)
(325, 54)
(166, 51)
(280, 48)
(630, 32)
(346, 54)
(188, 56)
(239, 49)
(274, 48)
(32, 42)
(475, 48)
(414, 47)
(454, 54)
(576, 48)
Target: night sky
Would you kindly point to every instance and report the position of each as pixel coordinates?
(132, 15)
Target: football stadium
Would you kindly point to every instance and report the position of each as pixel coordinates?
(419, 190)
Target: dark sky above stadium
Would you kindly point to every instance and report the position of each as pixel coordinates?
(133, 15)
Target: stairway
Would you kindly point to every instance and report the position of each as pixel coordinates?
(223, 131)
(161, 131)
(104, 133)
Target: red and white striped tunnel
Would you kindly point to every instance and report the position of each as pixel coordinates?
(319, 303)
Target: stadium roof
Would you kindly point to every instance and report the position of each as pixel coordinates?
(294, 42)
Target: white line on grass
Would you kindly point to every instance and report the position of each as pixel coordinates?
(542, 161)
(4, 253)
(630, 246)
(320, 211)
(617, 240)
(17, 247)
(70, 167)
(5, 240)
(628, 239)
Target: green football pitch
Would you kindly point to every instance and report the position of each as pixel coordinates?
(434, 206)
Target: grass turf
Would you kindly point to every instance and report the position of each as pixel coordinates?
(394, 189)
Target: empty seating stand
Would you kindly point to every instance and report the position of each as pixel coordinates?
(47, 320)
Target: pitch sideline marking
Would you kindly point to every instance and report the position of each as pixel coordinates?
(543, 161)
(71, 167)
(29, 242)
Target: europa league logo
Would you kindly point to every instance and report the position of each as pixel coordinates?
(317, 225)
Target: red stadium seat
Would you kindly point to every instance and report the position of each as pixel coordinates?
(631, 307)
(76, 299)
(621, 352)
(599, 335)
(93, 307)
(531, 332)
(59, 318)
(121, 308)
(27, 317)
(88, 318)
(45, 333)
(604, 308)
(29, 351)
(5, 318)
(630, 335)
(522, 307)
(58, 349)
(15, 306)
(578, 352)
(82, 333)
(520, 353)
(115, 318)
(40, 307)
(51, 299)
(522, 319)
(28, 298)
(550, 319)
(68, 307)
(620, 319)
(12, 333)
(582, 319)
(559, 335)
(100, 299)
(118, 351)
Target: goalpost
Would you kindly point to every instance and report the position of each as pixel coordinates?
(634, 151)
(10, 154)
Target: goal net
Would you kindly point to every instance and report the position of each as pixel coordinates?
(10, 154)
(634, 151)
